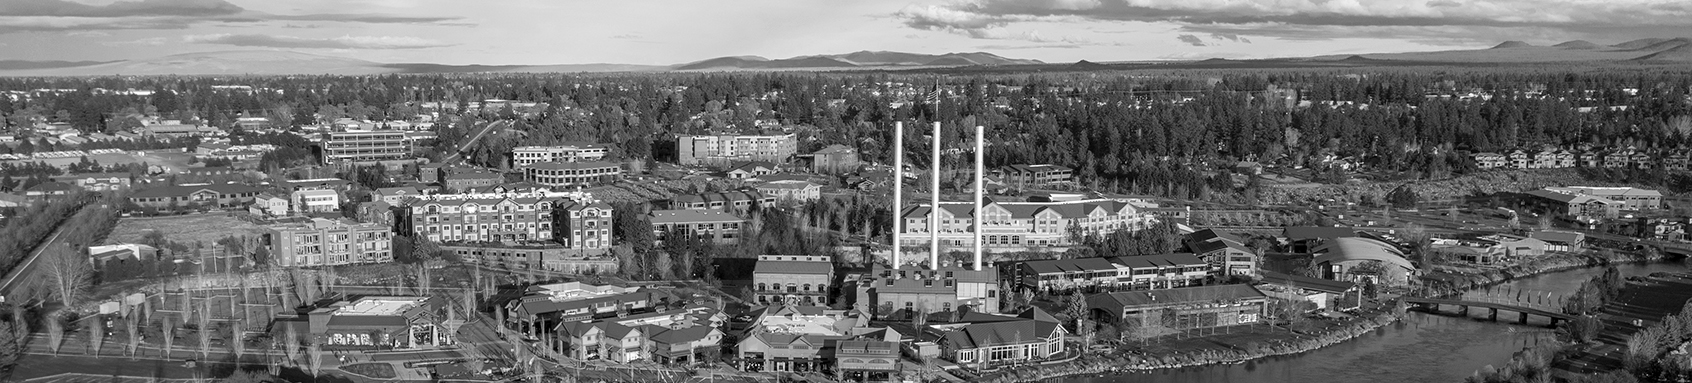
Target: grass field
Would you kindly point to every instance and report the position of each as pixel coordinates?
(185, 229)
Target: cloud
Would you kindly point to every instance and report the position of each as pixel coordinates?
(62, 15)
(343, 42)
(145, 41)
(627, 36)
(1230, 37)
(1190, 39)
(1445, 18)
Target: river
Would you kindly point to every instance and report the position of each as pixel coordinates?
(1421, 348)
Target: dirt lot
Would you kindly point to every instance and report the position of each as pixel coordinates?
(185, 228)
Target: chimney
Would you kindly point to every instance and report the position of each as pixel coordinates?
(980, 177)
(898, 187)
(934, 207)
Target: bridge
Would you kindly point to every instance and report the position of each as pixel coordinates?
(1433, 304)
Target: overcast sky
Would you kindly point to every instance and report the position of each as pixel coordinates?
(675, 31)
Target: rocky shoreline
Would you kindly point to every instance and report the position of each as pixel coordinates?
(1096, 364)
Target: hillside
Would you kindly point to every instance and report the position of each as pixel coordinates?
(1578, 44)
(220, 63)
(1679, 54)
(1520, 52)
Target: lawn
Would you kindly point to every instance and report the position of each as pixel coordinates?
(206, 228)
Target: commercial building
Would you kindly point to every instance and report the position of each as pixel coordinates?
(1631, 198)
(722, 150)
(317, 184)
(1132, 272)
(544, 307)
(793, 279)
(1016, 226)
(190, 196)
(586, 173)
(989, 341)
(573, 219)
(1323, 294)
(796, 338)
(577, 152)
(891, 292)
(716, 226)
(673, 336)
(1557, 240)
(1183, 308)
(365, 146)
(97, 182)
(1357, 259)
(1573, 204)
(462, 178)
(325, 242)
(377, 323)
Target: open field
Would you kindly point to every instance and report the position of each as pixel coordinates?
(207, 228)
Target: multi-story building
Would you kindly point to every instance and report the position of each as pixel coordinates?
(394, 195)
(461, 178)
(317, 184)
(1035, 175)
(530, 155)
(796, 338)
(186, 196)
(269, 205)
(316, 201)
(791, 191)
(585, 173)
(1224, 252)
(573, 219)
(716, 226)
(1015, 226)
(725, 201)
(793, 279)
(324, 242)
(1489, 160)
(888, 291)
(1520, 160)
(541, 256)
(834, 159)
(722, 150)
(675, 336)
(365, 146)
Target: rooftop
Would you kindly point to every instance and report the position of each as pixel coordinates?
(689, 216)
(381, 306)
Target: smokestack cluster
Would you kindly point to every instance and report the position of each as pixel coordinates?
(934, 193)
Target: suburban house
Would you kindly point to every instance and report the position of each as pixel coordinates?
(752, 169)
(1487, 160)
(269, 205)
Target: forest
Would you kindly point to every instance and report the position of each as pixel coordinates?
(1173, 135)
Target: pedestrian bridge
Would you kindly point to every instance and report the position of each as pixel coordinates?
(1433, 305)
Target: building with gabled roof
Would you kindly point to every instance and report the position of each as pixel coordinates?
(376, 323)
(834, 159)
(796, 338)
(543, 307)
(575, 220)
(1223, 251)
(751, 169)
(1018, 226)
(1029, 337)
(791, 191)
(1183, 308)
(710, 225)
(727, 201)
(186, 196)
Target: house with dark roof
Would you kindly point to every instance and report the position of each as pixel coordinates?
(715, 226)
(726, 201)
(543, 307)
(1029, 337)
(218, 195)
(1301, 239)
(1183, 308)
(1035, 175)
(601, 340)
(51, 189)
(793, 279)
(1223, 251)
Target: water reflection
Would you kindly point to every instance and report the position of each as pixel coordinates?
(1421, 348)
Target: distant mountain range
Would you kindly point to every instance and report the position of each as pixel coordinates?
(285, 62)
(1651, 51)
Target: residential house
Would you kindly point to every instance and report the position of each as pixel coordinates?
(1520, 160)
(1640, 160)
(602, 341)
(1591, 159)
(316, 201)
(751, 169)
(268, 205)
(394, 195)
(791, 191)
(1618, 159)
(1487, 160)
(97, 182)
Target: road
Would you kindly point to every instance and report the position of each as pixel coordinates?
(472, 141)
(13, 278)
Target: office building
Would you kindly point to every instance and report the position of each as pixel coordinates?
(530, 155)
(722, 150)
(716, 226)
(569, 174)
(365, 146)
(793, 279)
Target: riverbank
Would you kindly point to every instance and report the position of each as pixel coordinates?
(1451, 283)
(1289, 344)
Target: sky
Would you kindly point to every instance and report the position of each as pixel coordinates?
(663, 32)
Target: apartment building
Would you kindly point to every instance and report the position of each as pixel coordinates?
(1015, 226)
(574, 219)
(325, 242)
(791, 190)
(584, 173)
(793, 279)
(726, 201)
(577, 152)
(365, 146)
(1489, 160)
(721, 150)
(716, 226)
(1035, 175)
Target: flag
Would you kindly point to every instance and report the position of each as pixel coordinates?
(933, 97)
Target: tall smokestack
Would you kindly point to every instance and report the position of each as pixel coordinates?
(980, 176)
(898, 187)
(934, 208)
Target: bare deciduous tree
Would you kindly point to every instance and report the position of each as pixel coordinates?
(55, 330)
(96, 335)
(315, 353)
(68, 273)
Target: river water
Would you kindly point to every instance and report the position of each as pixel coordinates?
(1421, 348)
